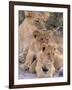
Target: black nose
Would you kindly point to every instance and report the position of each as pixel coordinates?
(44, 69)
(21, 61)
(27, 69)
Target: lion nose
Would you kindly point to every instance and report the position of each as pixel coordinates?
(27, 69)
(44, 69)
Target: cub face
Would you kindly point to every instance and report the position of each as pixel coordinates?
(49, 50)
(52, 54)
(37, 18)
(45, 61)
(44, 36)
(39, 36)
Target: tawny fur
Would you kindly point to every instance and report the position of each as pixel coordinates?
(33, 21)
(49, 58)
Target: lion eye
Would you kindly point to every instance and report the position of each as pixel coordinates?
(53, 53)
(54, 49)
(41, 39)
(48, 54)
(36, 21)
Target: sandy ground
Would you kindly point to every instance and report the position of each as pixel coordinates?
(27, 75)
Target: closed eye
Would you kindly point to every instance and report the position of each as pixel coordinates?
(53, 53)
(41, 39)
(36, 20)
(48, 54)
(54, 49)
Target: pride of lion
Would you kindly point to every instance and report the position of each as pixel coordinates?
(38, 47)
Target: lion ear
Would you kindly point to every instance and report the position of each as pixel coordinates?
(46, 15)
(29, 14)
(36, 34)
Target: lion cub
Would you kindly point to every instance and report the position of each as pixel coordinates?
(34, 48)
(39, 37)
(48, 60)
(33, 21)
